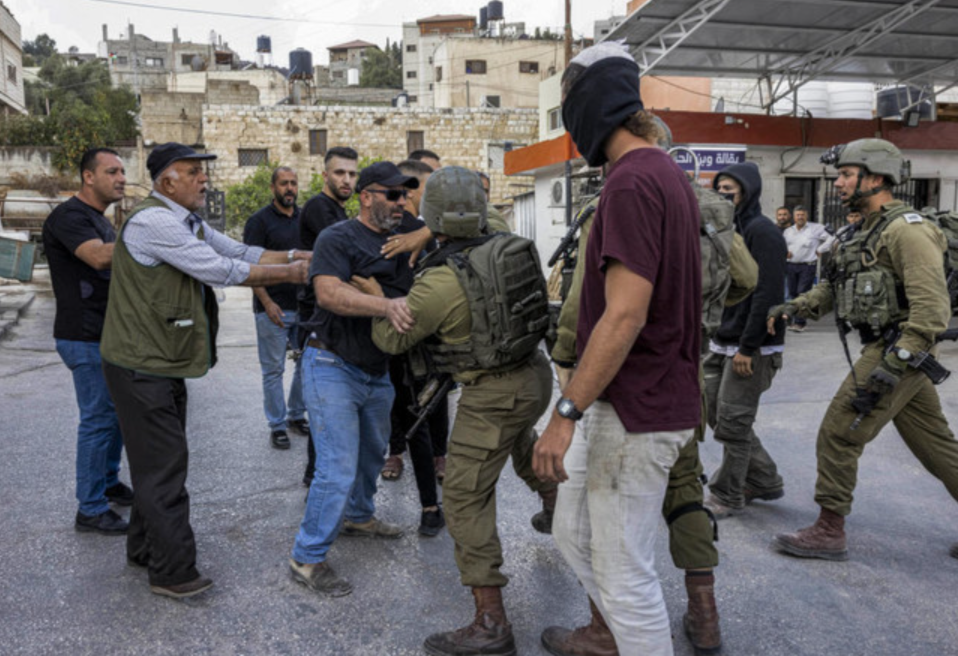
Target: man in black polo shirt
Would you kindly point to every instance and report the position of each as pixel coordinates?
(276, 228)
(321, 211)
(78, 241)
(346, 377)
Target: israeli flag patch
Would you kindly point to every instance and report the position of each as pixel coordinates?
(912, 217)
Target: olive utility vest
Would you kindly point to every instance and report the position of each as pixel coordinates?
(159, 320)
(868, 295)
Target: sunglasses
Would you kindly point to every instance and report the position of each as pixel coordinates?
(392, 195)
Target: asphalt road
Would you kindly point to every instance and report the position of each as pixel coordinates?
(67, 593)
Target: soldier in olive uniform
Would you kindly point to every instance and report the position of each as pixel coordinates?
(496, 411)
(888, 273)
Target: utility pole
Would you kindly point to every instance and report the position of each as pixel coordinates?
(568, 32)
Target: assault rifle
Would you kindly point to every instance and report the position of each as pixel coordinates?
(865, 400)
(568, 243)
(428, 400)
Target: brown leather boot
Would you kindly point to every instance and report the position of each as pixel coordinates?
(594, 639)
(542, 520)
(490, 632)
(824, 539)
(702, 621)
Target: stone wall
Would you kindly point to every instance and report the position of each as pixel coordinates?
(172, 116)
(231, 92)
(32, 162)
(474, 138)
(350, 95)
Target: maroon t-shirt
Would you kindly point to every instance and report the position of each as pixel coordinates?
(648, 220)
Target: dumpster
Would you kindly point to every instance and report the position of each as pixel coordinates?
(16, 259)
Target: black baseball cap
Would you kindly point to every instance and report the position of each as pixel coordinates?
(387, 174)
(165, 154)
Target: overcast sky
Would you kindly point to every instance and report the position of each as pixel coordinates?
(314, 25)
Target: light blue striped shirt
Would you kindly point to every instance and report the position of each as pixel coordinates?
(158, 235)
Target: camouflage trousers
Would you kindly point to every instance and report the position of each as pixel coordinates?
(914, 408)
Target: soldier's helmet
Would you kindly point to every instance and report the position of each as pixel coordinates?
(877, 156)
(453, 203)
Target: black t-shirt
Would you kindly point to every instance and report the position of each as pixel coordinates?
(349, 249)
(81, 290)
(274, 231)
(318, 213)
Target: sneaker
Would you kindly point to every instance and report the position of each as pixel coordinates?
(752, 494)
(183, 590)
(795, 328)
(432, 522)
(119, 494)
(319, 577)
(299, 426)
(374, 528)
(279, 439)
(719, 509)
(106, 523)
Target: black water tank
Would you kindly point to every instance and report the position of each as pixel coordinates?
(483, 18)
(494, 10)
(264, 44)
(300, 64)
(891, 101)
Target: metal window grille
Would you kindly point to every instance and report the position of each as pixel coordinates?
(317, 142)
(253, 156)
(415, 140)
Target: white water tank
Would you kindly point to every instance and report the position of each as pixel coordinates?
(812, 100)
(352, 77)
(851, 100)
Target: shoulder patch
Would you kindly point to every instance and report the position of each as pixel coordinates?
(913, 217)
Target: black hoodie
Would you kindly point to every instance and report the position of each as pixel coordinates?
(744, 324)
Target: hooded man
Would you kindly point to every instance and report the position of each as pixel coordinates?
(744, 357)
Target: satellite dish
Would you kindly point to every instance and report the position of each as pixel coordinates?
(198, 63)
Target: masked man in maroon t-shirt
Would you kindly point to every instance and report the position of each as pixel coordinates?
(634, 400)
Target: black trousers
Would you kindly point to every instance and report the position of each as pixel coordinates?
(402, 419)
(152, 413)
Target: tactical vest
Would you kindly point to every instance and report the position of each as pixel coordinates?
(868, 295)
(159, 320)
(508, 305)
(948, 222)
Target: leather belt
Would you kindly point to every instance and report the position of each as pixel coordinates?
(318, 344)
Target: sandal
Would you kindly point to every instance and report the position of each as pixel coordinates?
(392, 470)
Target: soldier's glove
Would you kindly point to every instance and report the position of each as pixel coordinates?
(886, 375)
(788, 310)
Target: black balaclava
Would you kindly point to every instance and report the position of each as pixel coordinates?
(604, 96)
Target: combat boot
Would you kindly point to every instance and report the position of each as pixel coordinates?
(702, 621)
(594, 639)
(490, 632)
(824, 539)
(542, 520)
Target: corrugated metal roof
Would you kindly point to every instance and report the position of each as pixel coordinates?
(790, 42)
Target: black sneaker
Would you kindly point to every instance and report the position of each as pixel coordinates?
(119, 494)
(432, 522)
(106, 523)
(183, 590)
(299, 426)
(279, 439)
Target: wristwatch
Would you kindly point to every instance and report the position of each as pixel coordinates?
(566, 409)
(290, 255)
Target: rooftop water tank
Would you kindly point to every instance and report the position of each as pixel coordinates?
(352, 77)
(812, 100)
(494, 10)
(851, 100)
(264, 44)
(483, 18)
(300, 64)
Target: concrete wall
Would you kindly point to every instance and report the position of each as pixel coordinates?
(31, 162)
(270, 83)
(470, 138)
(172, 116)
(350, 95)
(502, 77)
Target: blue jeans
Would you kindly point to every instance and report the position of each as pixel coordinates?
(99, 442)
(349, 418)
(272, 341)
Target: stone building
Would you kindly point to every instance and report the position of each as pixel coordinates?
(298, 136)
(11, 54)
(346, 62)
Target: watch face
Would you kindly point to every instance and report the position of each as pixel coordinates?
(565, 407)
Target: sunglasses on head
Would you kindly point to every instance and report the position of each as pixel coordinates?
(391, 195)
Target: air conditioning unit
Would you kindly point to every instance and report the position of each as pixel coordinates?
(491, 101)
(557, 195)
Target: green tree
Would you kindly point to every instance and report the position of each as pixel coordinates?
(85, 111)
(37, 51)
(382, 69)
